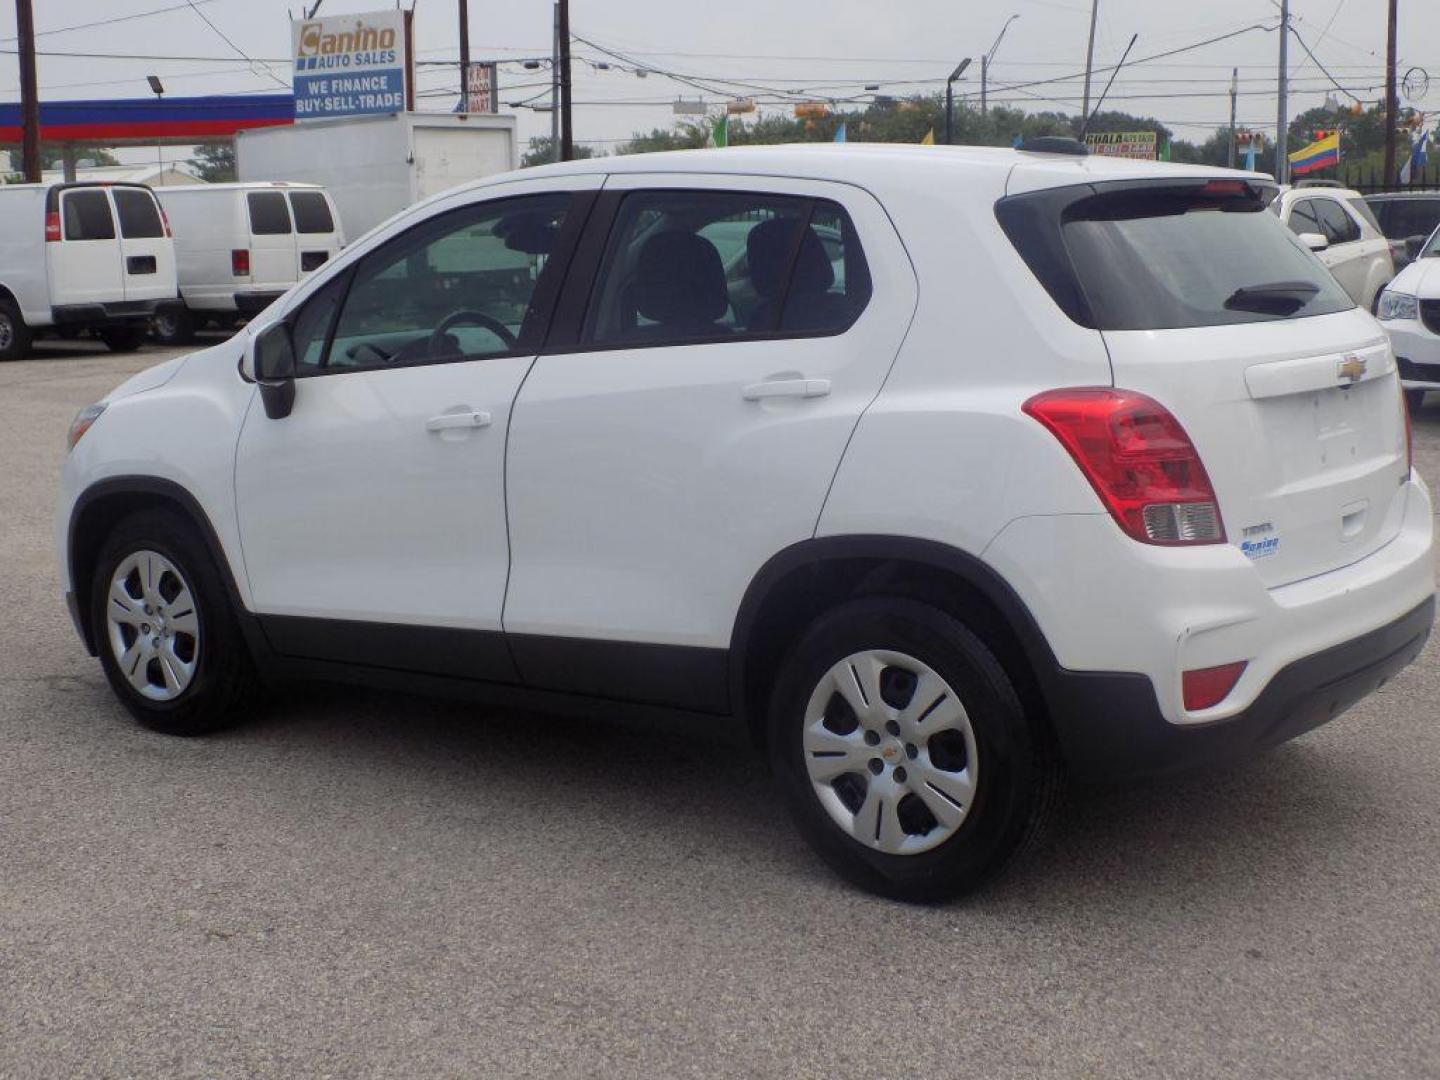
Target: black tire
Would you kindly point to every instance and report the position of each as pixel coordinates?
(223, 689)
(15, 336)
(1016, 776)
(123, 338)
(1414, 400)
(175, 326)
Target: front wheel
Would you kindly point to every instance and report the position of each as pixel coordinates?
(123, 338)
(906, 757)
(165, 631)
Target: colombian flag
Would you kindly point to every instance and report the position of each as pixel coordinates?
(1318, 155)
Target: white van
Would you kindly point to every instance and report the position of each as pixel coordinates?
(84, 256)
(240, 246)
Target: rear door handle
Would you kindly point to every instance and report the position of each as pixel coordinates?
(773, 388)
(470, 418)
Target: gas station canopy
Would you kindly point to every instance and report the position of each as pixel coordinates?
(148, 121)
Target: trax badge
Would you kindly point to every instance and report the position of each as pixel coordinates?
(1352, 368)
(1260, 541)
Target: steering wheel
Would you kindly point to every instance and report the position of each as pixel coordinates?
(437, 346)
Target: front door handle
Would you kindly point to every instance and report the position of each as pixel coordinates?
(773, 388)
(469, 418)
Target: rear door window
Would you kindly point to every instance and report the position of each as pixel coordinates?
(1168, 257)
(693, 266)
(87, 216)
(1413, 217)
(269, 214)
(139, 216)
(312, 212)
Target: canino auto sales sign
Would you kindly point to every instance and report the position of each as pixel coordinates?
(349, 65)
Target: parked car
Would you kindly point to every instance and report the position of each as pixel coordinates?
(1035, 485)
(1407, 218)
(1410, 313)
(1337, 225)
(76, 257)
(240, 246)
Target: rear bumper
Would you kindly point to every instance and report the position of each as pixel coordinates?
(113, 313)
(252, 303)
(1110, 726)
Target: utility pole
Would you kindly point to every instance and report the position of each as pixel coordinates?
(1230, 143)
(29, 93)
(1392, 106)
(465, 56)
(984, 81)
(555, 87)
(567, 131)
(1089, 59)
(1282, 121)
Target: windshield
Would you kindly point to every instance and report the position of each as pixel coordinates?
(1167, 258)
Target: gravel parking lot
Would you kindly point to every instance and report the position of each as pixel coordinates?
(361, 885)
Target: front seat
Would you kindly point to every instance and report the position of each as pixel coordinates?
(679, 283)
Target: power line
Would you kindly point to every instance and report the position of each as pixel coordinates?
(116, 19)
(223, 37)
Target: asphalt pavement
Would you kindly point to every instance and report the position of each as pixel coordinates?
(362, 885)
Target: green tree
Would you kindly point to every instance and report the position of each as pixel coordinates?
(215, 162)
(541, 152)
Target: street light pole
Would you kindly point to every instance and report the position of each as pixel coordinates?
(950, 100)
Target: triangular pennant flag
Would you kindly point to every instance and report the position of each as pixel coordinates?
(840, 132)
(720, 133)
(929, 139)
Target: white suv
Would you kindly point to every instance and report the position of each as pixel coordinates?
(966, 468)
(1339, 226)
(1410, 310)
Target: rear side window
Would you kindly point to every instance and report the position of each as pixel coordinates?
(1303, 219)
(139, 216)
(696, 266)
(269, 215)
(1167, 257)
(87, 216)
(1362, 208)
(312, 212)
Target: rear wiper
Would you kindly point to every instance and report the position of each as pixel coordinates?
(1280, 297)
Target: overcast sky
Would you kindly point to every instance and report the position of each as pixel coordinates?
(791, 50)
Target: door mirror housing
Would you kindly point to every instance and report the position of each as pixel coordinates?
(275, 370)
(1314, 241)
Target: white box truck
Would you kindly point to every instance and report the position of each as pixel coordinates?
(74, 257)
(376, 166)
(239, 247)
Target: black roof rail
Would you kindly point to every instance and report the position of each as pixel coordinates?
(1055, 144)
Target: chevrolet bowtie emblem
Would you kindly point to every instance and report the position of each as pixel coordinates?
(1351, 369)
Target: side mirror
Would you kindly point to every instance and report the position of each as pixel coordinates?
(1314, 241)
(275, 370)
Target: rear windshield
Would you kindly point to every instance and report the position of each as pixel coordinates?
(87, 216)
(139, 216)
(1412, 217)
(268, 214)
(1171, 257)
(312, 212)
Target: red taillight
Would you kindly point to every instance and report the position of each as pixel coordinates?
(1226, 187)
(52, 227)
(164, 220)
(1207, 687)
(240, 262)
(1138, 459)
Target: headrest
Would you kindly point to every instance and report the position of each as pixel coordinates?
(768, 248)
(679, 279)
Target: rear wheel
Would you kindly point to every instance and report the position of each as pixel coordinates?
(167, 637)
(123, 338)
(1414, 400)
(175, 326)
(905, 755)
(15, 336)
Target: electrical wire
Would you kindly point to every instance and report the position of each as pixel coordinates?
(223, 37)
(112, 21)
